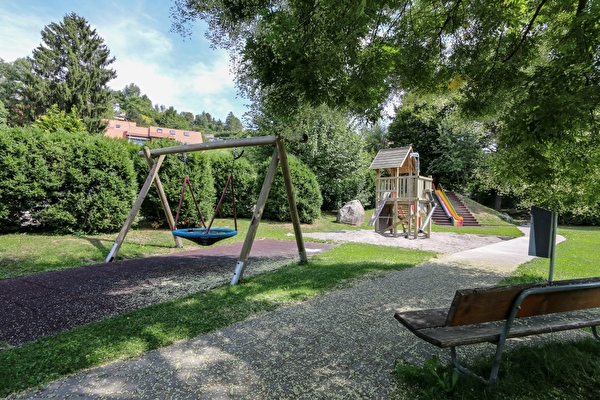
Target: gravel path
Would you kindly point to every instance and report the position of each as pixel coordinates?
(441, 242)
(342, 345)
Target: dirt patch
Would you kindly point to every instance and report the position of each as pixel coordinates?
(440, 242)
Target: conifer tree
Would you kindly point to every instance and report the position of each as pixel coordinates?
(70, 68)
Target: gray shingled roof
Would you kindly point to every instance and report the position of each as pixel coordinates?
(391, 158)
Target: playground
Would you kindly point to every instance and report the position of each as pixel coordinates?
(60, 300)
(344, 343)
(343, 339)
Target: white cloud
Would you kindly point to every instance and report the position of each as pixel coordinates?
(127, 38)
(206, 80)
(159, 86)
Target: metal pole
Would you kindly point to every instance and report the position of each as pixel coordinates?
(289, 188)
(258, 211)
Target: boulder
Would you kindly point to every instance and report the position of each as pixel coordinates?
(352, 213)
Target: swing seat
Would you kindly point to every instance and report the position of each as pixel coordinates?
(204, 238)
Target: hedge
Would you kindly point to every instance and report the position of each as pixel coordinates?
(306, 191)
(63, 182)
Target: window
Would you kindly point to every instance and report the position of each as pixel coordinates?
(137, 140)
(118, 126)
(159, 130)
(172, 132)
(186, 134)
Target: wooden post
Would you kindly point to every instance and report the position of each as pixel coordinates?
(289, 188)
(221, 144)
(163, 198)
(410, 197)
(395, 216)
(136, 207)
(258, 211)
(377, 195)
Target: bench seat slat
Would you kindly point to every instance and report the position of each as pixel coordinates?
(490, 332)
(423, 319)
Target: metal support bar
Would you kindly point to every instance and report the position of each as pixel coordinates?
(225, 144)
(553, 246)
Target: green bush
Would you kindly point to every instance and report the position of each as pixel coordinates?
(244, 178)
(25, 176)
(63, 182)
(306, 191)
(197, 167)
(98, 187)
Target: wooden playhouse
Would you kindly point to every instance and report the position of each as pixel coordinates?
(403, 197)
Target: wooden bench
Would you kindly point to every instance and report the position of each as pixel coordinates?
(499, 313)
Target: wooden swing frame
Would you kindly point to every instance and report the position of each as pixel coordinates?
(155, 159)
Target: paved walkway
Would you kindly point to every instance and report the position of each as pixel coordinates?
(342, 345)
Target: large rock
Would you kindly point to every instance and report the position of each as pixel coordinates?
(352, 213)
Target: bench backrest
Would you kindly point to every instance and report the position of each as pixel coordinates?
(471, 306)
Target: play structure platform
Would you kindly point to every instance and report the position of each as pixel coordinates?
(403, 197)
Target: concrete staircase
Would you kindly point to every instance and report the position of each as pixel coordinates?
(440, 218)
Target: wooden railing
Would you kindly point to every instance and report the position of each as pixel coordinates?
(404, 188)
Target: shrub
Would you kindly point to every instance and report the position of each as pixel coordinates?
(97, 185)
(306, 191)
(64, 182)
(25, 176)
(197, 167)
(244, 178)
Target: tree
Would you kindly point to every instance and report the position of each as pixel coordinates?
(334, 151)
(450, 147)
(137, 107)
(55, 120)
(3, 114)
(70, 69)
(233, 124)
(14, 80)
(170, 119)
(416, 125)
(375, 137)
(530, 66)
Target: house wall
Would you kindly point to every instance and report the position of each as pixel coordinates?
(129, 130)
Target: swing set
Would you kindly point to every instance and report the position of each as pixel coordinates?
(208, 235)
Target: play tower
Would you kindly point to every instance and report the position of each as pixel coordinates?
(403, 197)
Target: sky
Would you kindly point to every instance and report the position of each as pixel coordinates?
(171, 70)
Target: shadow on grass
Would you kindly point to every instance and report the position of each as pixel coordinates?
(156, 326)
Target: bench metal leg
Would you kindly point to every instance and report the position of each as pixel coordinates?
(496, 364)
(468, 372)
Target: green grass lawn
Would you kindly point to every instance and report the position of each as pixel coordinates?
(553, 371)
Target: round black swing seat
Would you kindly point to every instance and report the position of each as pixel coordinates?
(204, 238)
